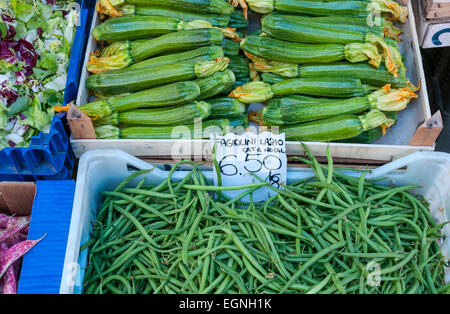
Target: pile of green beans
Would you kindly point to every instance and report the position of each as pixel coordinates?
(331, 233)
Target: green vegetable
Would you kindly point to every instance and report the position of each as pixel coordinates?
(226, 107)
(168, 95)
(335, 128)
(112, 7)
(238, 20)
(334, 88)
(123, 54)
(292, 29)
(298, 109)
(136, 79)
(330, 8)
(216, 84)
(230, 47)
(297, 53)
(139, 27)
(215, 19)
(240, 67)
(160, 116)
(371, 135)
(366, 73)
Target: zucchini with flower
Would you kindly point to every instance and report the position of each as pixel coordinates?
(160, 116)
(215, 19)
(113, 7)
(168, 95)
(187, 131)
(291, 29)
(120, 55)
(380, 26)
(226, 107)
(365, 72)
(297, 53)
(335, 128)
(131, 80)
(216, 84)
(209, 53)
(350, 8)
(298, 109)
(259, 91)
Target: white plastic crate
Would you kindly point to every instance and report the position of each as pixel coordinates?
(393, 145)
(104, 169)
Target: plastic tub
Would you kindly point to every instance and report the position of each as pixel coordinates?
(104, 169)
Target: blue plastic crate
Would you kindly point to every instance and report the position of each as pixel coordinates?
(42, 266)
(50, 156)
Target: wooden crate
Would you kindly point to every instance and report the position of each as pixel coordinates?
(395, 144)
(436, 8)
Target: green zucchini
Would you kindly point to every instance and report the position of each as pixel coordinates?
(120, 55)
(208, 53)
(298, 109)
(188, 131)
(132, 80)
(226, 107)
(330, 8)
(292, 29)
(272, 78)
(239, 65)
(230, 47)
(140, 27)
(258, 91)
(168, 95)
(165, 116)
(112, 7)
(335, 128)
(365, 72)
(216, 84)
(297, 53)
(238, 20)
(370, 136)
(241, 82)
(215, 19)
(381, 25)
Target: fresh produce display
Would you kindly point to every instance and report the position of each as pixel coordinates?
(158, 66)
(13, 246)
(316, 235)
(35, 44)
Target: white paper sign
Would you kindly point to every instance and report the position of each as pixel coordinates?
(238, 156)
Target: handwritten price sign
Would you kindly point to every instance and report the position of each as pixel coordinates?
(239, 156)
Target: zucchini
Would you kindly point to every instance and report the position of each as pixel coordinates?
(292, 29)
(189, 131)
(112, 7)
(298, 109)
(230, 47)
(381, 25)
(140, 27)
(120, 55)
(168, 95)
(335, 128)
(226, 107)
(272, 78)
(240, 67)
(160, 116)
(208, 53)
(258, 91)
(216, 84)
(296, 53)
(132, 80)
(330, 8)
(213, 18)
(365, 72)
(238, 20)
(240, 82)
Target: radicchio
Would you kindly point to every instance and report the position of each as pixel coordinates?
(9, 21)
(23, 51)
(8, 95)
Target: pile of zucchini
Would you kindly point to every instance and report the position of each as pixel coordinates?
(163, 65)
(328, 70)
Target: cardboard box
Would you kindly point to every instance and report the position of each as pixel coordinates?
(16, 198)
(432, 33)
(436, 8)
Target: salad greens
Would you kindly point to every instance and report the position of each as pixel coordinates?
(35, 41)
